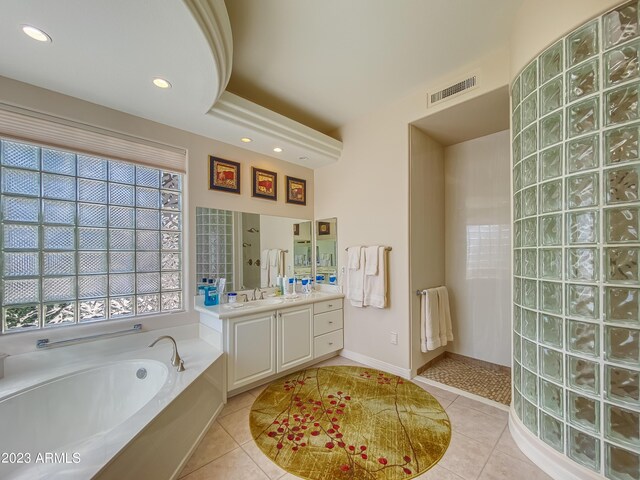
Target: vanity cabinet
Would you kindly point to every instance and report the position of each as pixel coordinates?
(251, 348)
(274, 339)
(327, 327)
(295, 337)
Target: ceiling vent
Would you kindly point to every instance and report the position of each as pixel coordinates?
(452, 91)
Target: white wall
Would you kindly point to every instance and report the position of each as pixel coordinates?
(196, 187)
(426, 230)
(478, 246)
(368, 191)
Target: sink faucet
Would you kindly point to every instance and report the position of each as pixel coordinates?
(2, 357)
(176, 361)
(246, 298)
(257, 289)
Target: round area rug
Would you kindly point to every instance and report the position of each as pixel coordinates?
(349, 423)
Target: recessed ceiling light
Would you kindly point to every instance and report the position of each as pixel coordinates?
(277, 149)
(161, 83)
(36, 33)
(246, 140)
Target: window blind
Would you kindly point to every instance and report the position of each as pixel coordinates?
(27, 125)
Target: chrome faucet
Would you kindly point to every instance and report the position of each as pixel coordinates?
(257, 289)
(176, 361)
(2, 357)
(246, 298)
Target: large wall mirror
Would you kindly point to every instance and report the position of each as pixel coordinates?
(251, 250)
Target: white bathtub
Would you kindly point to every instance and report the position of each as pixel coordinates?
(76, 424)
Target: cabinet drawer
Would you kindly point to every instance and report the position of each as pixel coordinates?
(327, 343)
(327, 322)
(327, 305)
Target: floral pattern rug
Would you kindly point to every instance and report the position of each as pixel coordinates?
(349, 423)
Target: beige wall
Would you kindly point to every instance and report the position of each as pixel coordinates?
(196, 184)
(478, 253)
(426, 230)
(539, 23)
(367, 190)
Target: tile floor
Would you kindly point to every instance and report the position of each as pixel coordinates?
(471, 377)
(481, 447)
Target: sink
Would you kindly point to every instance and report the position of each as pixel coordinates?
(264, 302)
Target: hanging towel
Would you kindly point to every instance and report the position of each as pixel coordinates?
(371, 260)
(375, 285)
(446, 329)
(353, 258)
(274, 256)
(429, 320)
(355, 276)
(264, 259)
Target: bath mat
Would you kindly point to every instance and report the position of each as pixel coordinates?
(349, 423)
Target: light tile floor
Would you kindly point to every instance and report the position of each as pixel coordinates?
(481, 446)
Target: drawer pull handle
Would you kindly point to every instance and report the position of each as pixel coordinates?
(330, 343)
(330, 305)
(330, 322)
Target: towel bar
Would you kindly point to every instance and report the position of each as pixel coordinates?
(388, 249)
(420, 292)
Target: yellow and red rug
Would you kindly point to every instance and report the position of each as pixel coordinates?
(349, 423)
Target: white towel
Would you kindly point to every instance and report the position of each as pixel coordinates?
(446, 329)
(264, 259)
(371, 260)
(274, 256)
(353, 258)
(430, 320)
(375, 286)
(355, 277)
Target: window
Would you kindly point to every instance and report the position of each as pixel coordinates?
(86, 239)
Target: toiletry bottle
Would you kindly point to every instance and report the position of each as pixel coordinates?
(222, 282)
(279, 286)
(285, 285)
(292, 286)
(202, 285)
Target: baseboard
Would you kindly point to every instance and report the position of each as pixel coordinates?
(430, 362)
(553, 463)
(375, 363)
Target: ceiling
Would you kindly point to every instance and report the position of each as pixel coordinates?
(326, 62)
(474, 118)
(311, 63)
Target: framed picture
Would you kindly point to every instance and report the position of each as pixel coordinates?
(265, 184)
(224, 175)
(296, 190)
(324, 228)
(296, 229)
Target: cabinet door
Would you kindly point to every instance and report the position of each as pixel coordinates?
(295, 337)
(251, 349)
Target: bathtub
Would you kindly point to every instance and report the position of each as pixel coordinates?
(91, 422)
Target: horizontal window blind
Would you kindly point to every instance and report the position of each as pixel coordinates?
(28, 125)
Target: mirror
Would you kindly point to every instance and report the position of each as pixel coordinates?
(230, 245)
(326, 251)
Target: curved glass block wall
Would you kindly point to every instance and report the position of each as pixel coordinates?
(576, 164)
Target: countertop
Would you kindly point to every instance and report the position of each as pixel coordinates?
(223, 311)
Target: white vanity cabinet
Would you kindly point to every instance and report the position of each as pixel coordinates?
(251, 349)
(264, 341)
(327, 327)
(295, 337)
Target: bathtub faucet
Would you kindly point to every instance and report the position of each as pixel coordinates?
(2, 357)
(176, 361)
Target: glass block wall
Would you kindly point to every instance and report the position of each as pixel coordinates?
(576, 339)
(214, 244)
(85, 238)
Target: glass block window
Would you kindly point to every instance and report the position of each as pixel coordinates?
(85, 239)
(576, 137)
(214, 244)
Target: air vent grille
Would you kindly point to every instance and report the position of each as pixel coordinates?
(453, 90)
